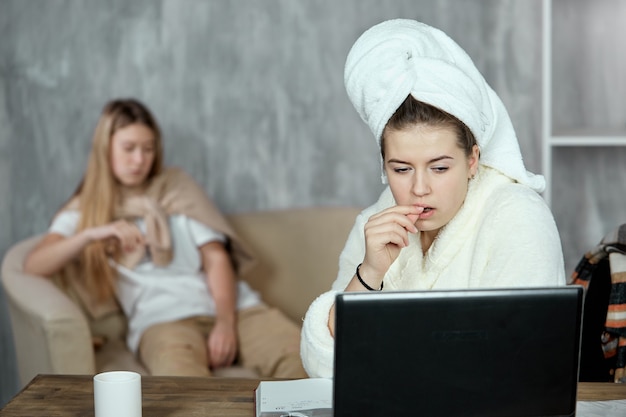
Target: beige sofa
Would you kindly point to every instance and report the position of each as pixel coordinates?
(298, 252)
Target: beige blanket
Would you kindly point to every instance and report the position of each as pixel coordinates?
(172, 192)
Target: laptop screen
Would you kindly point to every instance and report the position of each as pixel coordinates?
(488, 352)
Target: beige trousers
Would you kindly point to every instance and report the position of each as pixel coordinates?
(269, 343)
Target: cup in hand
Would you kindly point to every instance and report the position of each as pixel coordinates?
(117, 394)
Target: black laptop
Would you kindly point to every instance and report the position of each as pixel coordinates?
(489, 352)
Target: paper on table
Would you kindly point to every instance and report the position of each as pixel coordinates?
(612, 408)
(311, 396)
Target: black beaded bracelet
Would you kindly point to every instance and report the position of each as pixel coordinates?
(363, 283)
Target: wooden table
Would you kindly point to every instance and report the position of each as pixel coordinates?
(72, 395)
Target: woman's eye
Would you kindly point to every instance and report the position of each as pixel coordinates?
(439, 169)
(400, 170)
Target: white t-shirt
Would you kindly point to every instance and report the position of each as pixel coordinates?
(150, 294)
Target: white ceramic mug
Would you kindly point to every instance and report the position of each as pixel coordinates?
(117, 394)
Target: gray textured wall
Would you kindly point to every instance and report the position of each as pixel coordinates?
(588, 90)
(249, 95)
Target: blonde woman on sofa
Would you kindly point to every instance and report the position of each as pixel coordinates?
(460, 211)
(148, 238)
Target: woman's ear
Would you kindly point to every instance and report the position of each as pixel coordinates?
(473, 161)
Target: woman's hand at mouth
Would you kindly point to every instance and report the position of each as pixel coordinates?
(386, 233)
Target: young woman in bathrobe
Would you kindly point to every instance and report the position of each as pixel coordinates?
(460, 211)
(148, 239)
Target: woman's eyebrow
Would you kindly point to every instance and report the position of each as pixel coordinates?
(437, 159)
(397, 161)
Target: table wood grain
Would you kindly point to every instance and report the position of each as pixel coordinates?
(72, 395)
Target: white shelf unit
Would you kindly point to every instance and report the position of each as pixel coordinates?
(587, 141)
(552, 140)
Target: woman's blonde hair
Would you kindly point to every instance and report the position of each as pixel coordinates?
(99, 189)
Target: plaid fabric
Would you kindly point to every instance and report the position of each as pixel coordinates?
(613, 339)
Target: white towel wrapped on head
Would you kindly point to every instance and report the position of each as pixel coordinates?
(400, 57)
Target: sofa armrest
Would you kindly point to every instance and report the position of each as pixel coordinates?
(51, 334)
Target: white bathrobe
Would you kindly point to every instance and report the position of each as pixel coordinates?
(503, 236)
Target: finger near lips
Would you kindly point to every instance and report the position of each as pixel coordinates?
(406, 218)
(390, 237)
(392, 232)
(389, 230)
(413, 217)
(393, 212)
